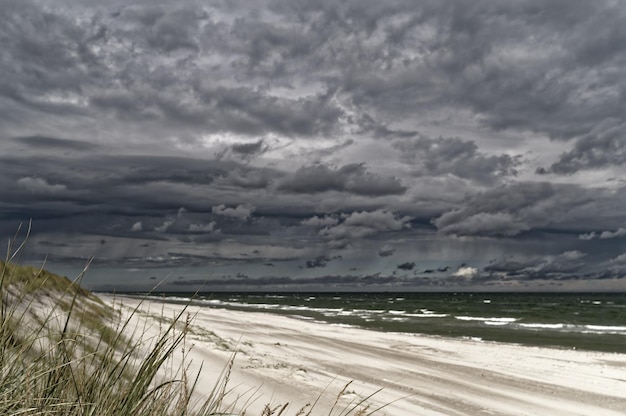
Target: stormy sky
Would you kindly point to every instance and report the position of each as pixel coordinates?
(317, 145)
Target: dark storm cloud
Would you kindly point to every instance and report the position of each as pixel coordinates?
(46, 58)
(512, 209)
(247, 178)
(406, 266)
(530, 66)
(604, 146)
(239, 109)
(110, 176)
(481, 57)
(512, 266)
(163, 28)
(106, 190)
(569, 265)
(568, 262)
(59, 64)
(311, 126)
(367, 125)
(353, 178)
(247, 149)
(340, 231)
(543, 83)
(434, 157)
(320, 261)
(54, 143)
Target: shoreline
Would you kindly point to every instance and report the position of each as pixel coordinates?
(573, 324)
(281, 359)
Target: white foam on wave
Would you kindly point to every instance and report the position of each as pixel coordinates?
(168, 298)
(478, 318)
(427, 315)
(393, 312)
(497, 323)
(396, 319)
(607, 328)
(542, 326)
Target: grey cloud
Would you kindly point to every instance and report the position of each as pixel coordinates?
(484, 223)
(481, 58)
(568, 265)
(567, 262)
(514, 266)
(511, 209)
(467, 272)
(202, 228)
(604, 146)
(386, 251)
(100, 65)
(529, 66)
(320, 261)
(353, 178)
(247, 149)
(368, 125)
(320, 221)
(358, 225)
(241, 109)
(40, 185)
(54, 143)
(620, 232)
(587, 236)
(45, 53)
(406, 266)
(442, 95)
(248, 178)
(166, 29)
(241, 212)
(540, 91)
(621, 259)
(452, 155)
(108, 189)
(267, 49)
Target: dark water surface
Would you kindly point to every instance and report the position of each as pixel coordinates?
(593, 321)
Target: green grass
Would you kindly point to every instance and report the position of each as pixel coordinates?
(31, 280)
(63, 352)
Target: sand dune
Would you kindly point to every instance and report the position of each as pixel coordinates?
(285, 359)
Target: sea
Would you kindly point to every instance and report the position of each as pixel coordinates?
(589, 321)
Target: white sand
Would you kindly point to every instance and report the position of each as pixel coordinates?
(285, 359)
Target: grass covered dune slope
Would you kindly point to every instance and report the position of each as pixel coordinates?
(65, 351)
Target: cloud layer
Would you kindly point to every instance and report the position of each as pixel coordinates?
(478, 142)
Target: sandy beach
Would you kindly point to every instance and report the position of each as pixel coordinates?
(282, 359)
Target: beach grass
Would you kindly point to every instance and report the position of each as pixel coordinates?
(64, 352)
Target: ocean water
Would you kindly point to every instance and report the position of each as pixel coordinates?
(592, 321)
